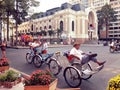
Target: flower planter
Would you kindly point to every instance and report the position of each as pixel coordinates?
(3, 68)
(114, 83)
(7, 84)
(52, 86)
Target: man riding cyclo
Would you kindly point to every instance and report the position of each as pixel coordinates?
(39, 47)
(83, 58)
(115, 45)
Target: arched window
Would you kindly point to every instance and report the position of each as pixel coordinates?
(61, 25)
(32, 27)
(72, 25)
(50, 27)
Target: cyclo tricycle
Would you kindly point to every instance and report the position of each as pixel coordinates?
(40, 58)
(75, 72)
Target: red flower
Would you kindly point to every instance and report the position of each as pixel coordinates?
(4, 62)
(40, 77)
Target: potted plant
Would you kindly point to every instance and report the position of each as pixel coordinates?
(9, 78)
(4, 64)
(40, 80)
(114, 83)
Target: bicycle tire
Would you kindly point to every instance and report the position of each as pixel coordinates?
(29, 58)
(72, 70)
(86, 77)
(53, 64)
(37, 61)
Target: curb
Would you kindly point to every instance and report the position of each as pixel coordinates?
(24, 75)
(49, 46)
(53, 46)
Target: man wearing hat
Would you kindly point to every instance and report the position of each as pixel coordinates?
(83, 57)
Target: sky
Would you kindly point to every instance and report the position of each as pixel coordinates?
(48, 4)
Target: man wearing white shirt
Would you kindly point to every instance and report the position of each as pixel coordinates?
(80, 55)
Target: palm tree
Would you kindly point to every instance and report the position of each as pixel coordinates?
(105, 16)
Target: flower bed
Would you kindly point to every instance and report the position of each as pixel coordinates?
(40, 80)
(114, 83)
(4, 64)
(9, 79)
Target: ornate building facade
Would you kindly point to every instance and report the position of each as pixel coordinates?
(72, 18)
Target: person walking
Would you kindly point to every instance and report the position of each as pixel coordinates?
(3, 49)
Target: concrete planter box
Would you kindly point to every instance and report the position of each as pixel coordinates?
(52, 86)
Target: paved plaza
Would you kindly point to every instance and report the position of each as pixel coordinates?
(98, 81)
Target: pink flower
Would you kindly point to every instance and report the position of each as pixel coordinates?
(40, 77)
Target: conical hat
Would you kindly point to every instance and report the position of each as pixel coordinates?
(76, 43)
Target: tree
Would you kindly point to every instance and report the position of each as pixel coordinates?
(22, 7)
(43, 32)
(59, 32)
(105, 16)
(35, 15)
(50, 32)
(17, 10)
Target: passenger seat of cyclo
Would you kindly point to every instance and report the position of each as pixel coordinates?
(68, 56)
(44, 47)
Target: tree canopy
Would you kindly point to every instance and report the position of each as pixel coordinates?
(16, 9)
(105, 16)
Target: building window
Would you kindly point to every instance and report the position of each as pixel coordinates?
(51, 13)
(72, 25)
(61, 25)
(50, 26)
(40, 28)
(32, 27)
(62, 7)
(45, 27)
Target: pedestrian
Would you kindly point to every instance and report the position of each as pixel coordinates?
(83, 57)
(3, 49)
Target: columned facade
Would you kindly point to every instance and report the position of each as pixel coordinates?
(74, 23)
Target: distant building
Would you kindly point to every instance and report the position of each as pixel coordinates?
(75, 21)
(114, 29)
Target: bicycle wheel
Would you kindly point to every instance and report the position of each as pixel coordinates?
(37, 61)
(86, 69)
(54, 66)
(72, 76)
(29, 58)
